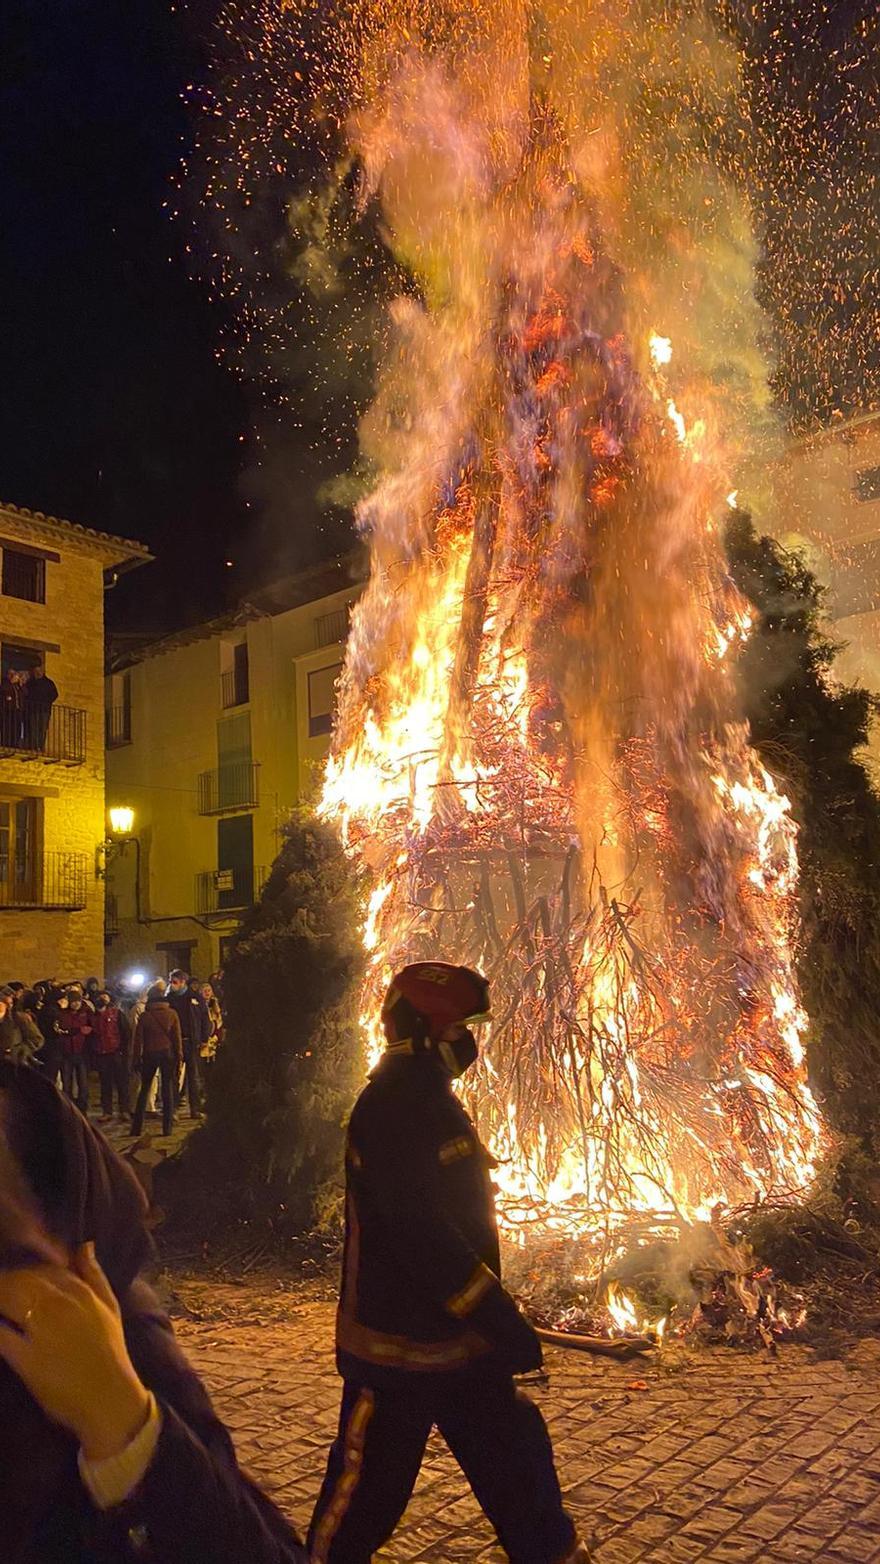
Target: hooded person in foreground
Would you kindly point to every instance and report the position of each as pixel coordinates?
(110, 1451)
(426, 1333)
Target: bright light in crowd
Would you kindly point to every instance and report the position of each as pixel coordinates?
(121, 820)
(136, 979)
(661, 349)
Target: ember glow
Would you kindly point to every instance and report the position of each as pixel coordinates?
(539, 759)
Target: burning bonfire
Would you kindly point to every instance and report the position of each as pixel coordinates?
(539, 757)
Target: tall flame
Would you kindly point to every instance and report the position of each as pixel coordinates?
(539, 759)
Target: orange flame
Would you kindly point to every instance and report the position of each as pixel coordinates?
(539, 762)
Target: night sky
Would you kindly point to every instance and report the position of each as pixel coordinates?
(117, 410)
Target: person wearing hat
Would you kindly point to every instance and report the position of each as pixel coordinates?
(426, 1334)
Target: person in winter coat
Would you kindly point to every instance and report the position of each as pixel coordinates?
(157, 1047)
(76, 1028)
(24, 1013)
(91, 988)
(195, 1029)
(12, 721)
(111, 1048)
(50, 1019)
(215, 1017)
(40, 694)
(426, 1334)
(11, 1044)
(110, 1450)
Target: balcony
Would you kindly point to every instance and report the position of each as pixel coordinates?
(117, 726)
(234, 687)
(229, 890)
(111, 917)
(330, 628)
(54, 734)
(56, 881)
(230, 787)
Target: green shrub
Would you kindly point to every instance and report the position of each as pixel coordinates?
(809, 731)
(270, 1151)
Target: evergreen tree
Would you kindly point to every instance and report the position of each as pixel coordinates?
(280, 1088)
(809, 730)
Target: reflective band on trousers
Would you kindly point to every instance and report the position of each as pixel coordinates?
(349, 1477)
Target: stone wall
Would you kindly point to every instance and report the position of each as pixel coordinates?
(55, 943)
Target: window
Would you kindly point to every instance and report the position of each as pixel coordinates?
(226, 943)
(24, 575)
(117, 717)
(235, 861)
(19, 852)
(235, 770)
(322, 699)
(177, 954)
(867, 484)
(234, 673)
(21, 658)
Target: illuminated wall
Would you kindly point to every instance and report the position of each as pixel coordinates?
(244, 703)
(52, 821)
(827, 499)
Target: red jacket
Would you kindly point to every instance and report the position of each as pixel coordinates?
(112, 1031)
(76, 1029)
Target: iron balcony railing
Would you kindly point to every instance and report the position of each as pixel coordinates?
(222, 890)
(111, 915)
(229, 787)
(234, 688)
(117, 726)
(52, 880)
(54, 733)
(330, 628)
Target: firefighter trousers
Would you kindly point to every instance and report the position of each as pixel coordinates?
(498, 1438)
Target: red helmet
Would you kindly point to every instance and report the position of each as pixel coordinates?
(429, 996)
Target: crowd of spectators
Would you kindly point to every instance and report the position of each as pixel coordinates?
(166, 1034)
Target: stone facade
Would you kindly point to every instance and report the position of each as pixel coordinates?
(67, 631)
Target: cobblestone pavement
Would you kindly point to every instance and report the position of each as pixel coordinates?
(709, 1455)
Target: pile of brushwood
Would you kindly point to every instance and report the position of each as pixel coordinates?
(267, 1164)
(825, 1250)
(817, 1261)
(268, 1159)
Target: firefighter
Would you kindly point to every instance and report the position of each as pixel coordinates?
(426, 1334)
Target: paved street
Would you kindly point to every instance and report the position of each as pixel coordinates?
(711, 1455)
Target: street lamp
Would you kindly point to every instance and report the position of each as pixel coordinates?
(121, 824)
(121, 820)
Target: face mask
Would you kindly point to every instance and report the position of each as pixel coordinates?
(458, 1055)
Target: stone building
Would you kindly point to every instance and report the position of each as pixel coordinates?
(53, 575)
(213, 734)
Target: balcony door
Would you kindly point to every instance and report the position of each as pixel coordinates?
(235, 861)
(234, 760)
(19, 852)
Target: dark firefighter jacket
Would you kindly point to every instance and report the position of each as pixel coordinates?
(420, 1287)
